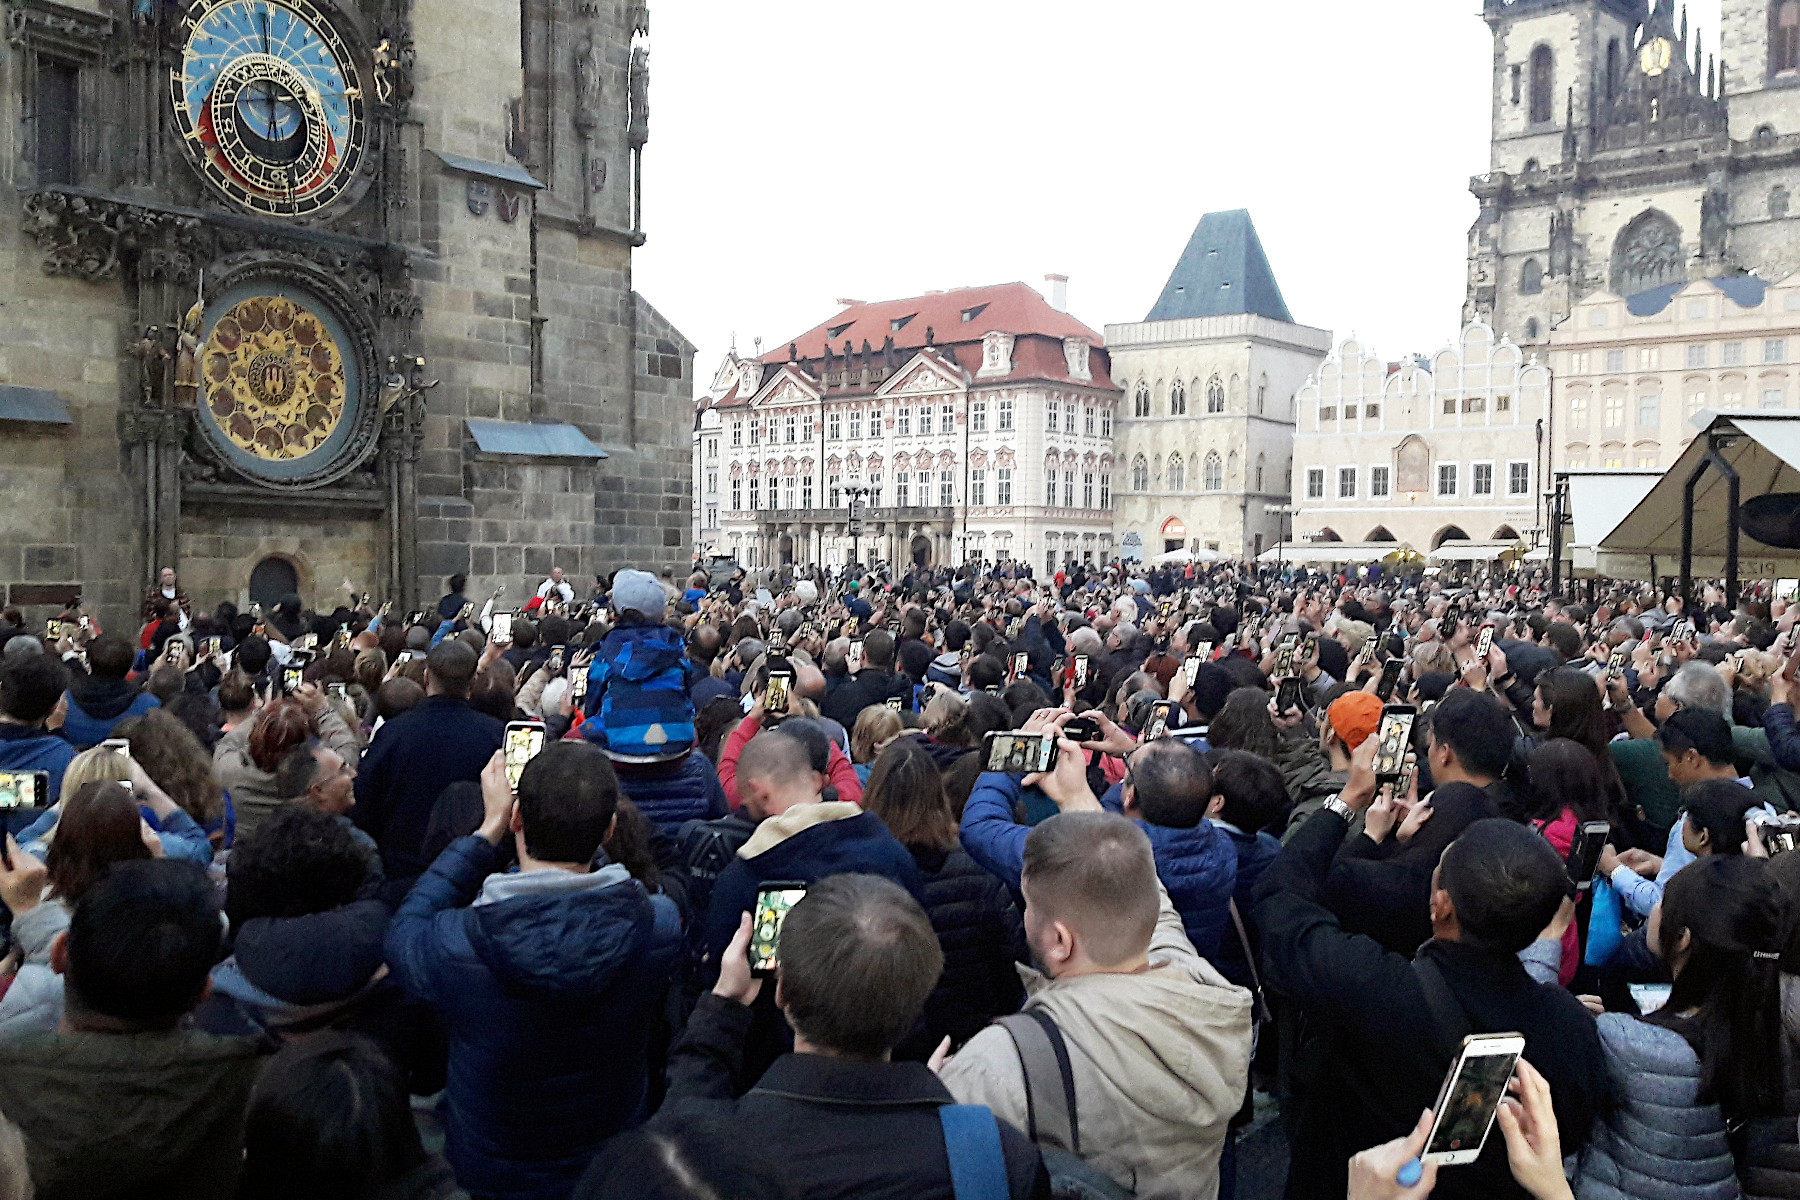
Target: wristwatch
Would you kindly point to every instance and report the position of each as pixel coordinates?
(1333, 804)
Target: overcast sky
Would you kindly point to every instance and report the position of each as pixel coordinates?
(803, 151)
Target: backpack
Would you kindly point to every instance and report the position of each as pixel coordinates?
(1053, 1121)
(703, 849)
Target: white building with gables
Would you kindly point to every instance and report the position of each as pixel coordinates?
(978, 424)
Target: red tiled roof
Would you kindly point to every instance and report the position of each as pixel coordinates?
(1015, 308)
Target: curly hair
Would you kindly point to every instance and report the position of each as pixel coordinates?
(174, 758)
(298, 862)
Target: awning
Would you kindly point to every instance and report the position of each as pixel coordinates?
(1599, 500)
(39, 406)
(1764, 450)
(509, 174)
(1457, 550)
(1184, 555)
(519, 439)
(1330, 552)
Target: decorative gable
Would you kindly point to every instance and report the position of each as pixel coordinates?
(996, 355)
(1075, 354)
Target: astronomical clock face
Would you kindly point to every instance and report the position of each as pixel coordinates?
(280, 384)
(268, 104)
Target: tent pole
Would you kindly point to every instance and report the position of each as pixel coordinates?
(1687, 532)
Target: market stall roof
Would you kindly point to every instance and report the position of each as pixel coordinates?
(1458, 550)
(1764, 450)
(1599, 500)
(1331, 552)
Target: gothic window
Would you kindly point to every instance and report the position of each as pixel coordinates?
(1543, 84)
(1177, 473)
(1140, 474)
(1612, 68)
(1140, 401)
(1531, 277)
(1214, 477)
(1177, 399)
(1778, 201)
(55, 105)
(1531, 166)
(1784, 44)
(1215, 395)
(1262, 394)
(1261, 463)
(1647, 254)
(1532, 330)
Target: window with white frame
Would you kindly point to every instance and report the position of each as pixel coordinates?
(1069, 418)
(1649, 358)
(806, 491)
(712, 447)
(1215, 395)
(1106, 422)
(875, 489)
(946, 489)
(925, 421)
(1003, 486)
(1733, 354)
(1646, 457)
(903, 489)
(1378, 482)
(1105, 489)
(1695, 402)
(1214, 472)
(1446, 479)
(712, 482)
(856, 425)
(1177, 399)
(978, 487)
(1005, 415)
(1052, 415)
(978, 416)
(1649, 406)
(1068, 489)
(1087, 420)
(1087, 489)
(834, 426)
(1775, 350)
(834, 488)
(903, 423)
(1481, 479)
(1049, 489)
(791, 426)
(1696, 356)
(1614, 409)
(787, 492)
(1346, 483)
(755, 493)
(737, 495)
(737, 432)
(947, 419)
(924, 489)
(1140, 474)
(1578, 411)
(712, 516)
(1518, 478)
(1615, 361)
(1315, 483)
(755, 431)
(1773, 397)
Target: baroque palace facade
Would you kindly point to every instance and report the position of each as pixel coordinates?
(306, 291)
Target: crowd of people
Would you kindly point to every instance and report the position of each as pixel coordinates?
(955, 884)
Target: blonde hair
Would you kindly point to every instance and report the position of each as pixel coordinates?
(98, 763)
(876, 725)
(947, 719)
(1433, 656)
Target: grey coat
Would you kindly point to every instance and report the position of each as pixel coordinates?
(1659, 1142)
(34, 1002)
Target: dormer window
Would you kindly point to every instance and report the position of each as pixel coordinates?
(996, 354)
(899, 323)
(1075, 355)
(969, 314)
(837, 331)
(749, 377)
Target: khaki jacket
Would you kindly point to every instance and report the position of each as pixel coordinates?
(1161, 1060)
(252, 788)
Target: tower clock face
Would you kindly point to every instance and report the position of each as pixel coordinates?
(268, 104)
(1654, 56)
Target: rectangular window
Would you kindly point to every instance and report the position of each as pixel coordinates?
(1649, 358)
(1068, 489)
(1052, 416)
(712, 482)
(806, 491)
(834, 426)
(791, 426)
(1775, 350)
(925, 420)
(1696, 356)
(57, 103)
(978, 487)
(1647, 459)
(924, 489)
(755, 431)
(1502, 403)
(947, 419)
(1087, 420)
(1050, 489)
(1578, 414)
(1612, 460)
(1087, 489)
(1315, 483)
(1446, 479)
(1518, 479)
(1481, 479)
(806, 428)
(946, 489)
(902, 489)
(1734, 354)
(1773, 397)
(1003, 486)
(1474, 404)
(712, 447)
(1449, 406)
(1647, 414)
(1105, 491)
(737, 494)
(755, 493)
(875, 489)
(1614, 412)
(1327, 412)
(834, 490)
(978, 417)
(903, 423)
(1615, 361)
(787, 492)
(1578, 363)
(1069, 418)
(1106, 422)
(712, 516)
(1346, 483)
(1378, 482)
(1006, 416)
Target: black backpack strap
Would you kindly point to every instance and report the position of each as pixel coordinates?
(1446, 1014)
(1262, 1012)
(1049, 1080)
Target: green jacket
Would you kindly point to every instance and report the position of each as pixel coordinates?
(149, 1116)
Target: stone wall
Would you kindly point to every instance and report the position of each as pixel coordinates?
(218, 552)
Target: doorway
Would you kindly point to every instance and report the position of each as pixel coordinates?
(271, 579)
(921, 550)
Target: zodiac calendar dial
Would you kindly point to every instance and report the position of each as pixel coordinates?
(268, 104)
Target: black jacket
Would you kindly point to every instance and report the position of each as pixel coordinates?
(868, 686)
(836, 1127)
(407, 767)
(982, 936)
(1381, 1062)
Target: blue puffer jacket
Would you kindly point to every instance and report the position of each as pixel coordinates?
(546, 984)
(638, 691)
(1660, 1142)
(673, 793)
(1199, 868)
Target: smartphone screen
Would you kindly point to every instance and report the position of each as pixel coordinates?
(1020, 753)
(1190, 666)
(773, 903)
(1390, 676)
(1157, 725)
(781, 682)
(337, 691)
(1284, 655)
(117, 745)
(1615, 662)
(1021, 662)
(1081, 671)
(524, 740)
(1395, 737)
(1471, 1096)
(24, 789)
(292, 678)
(1291, 694)
(52, 629)
(500, 627)
(853, 657)
(214, 646)
(1081, 729)
(1484, 642)
(896, 703)
(1584, 853)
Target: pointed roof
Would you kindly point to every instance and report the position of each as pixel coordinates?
(1223, 272)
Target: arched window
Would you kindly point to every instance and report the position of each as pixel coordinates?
(1765, 134)
(1140, 474)
(1177, 399)
(1215, 395)
(1778, 201)
(1262, 394)
(1784, 45)
(1140, 400)
(1261, 462)
(1531, 166)
(1532, 330)
(1215, 473)
(1543, 85)
(1177, 473)
(1647, 254)
(1531, 277)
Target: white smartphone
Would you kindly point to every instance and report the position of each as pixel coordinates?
(500, 628)
(1471, 1095)
(853, 657)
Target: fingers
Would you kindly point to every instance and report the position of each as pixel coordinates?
(740, 941)
(939, 1056)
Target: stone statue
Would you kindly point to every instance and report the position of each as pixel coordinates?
(639, 130)
(1715, 219)
(1562, 244)
(587, 85)
(385, 64)
(187, 355)
(153, 360)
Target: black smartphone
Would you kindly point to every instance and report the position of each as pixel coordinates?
(1390, 676)
(1584, 853)
(1081, 729)
(523, 741)
(1291, 694)
(1484, 641)
(1017, 753)
(1162, 715)
(1395, 738)
(1284, 654)
(774, 900)
(780, 686)
(1615, 662)
(1780, 837)
(291, 679)
(1448, 623)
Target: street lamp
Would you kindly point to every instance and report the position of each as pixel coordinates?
(1286, 513)
(855, 492)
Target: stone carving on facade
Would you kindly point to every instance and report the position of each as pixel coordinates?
(638, 129)
(1715, 218)
(588, 89)
(1562, 244)
(393, 59)
(153, 364)
(187, 350)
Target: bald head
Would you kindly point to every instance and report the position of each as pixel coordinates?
(775, 773)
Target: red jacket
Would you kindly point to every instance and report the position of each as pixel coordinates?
(842, 773)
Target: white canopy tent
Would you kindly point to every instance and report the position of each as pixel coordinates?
(1331, 552)
(1598, 501)
(1183, 556)
(1764, 451)
(1458, 550)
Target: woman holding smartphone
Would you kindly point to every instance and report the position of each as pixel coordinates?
(1696, 1077)
(1566, 793)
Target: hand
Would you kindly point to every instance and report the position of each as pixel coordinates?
(1415, 817)
(1559, 924)
(1178, 684)
(312, 698)
(940, 1056)
(1382, 815)
(1643, 862)
(1618, 696)
(1043, 719)
(1609, 861)
(1066, 783)
(1112, 740)
(1781, 688)
(1359, 791)
(1753, 842)
(736, 983)
(1372, 1172)
(1474, 675)
(21, 884)
(1593, 1004)
(1533, 1148)
(496, 800)
(148, 836)
(1285, 721)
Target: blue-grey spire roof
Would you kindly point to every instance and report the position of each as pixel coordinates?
(1223, 272)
